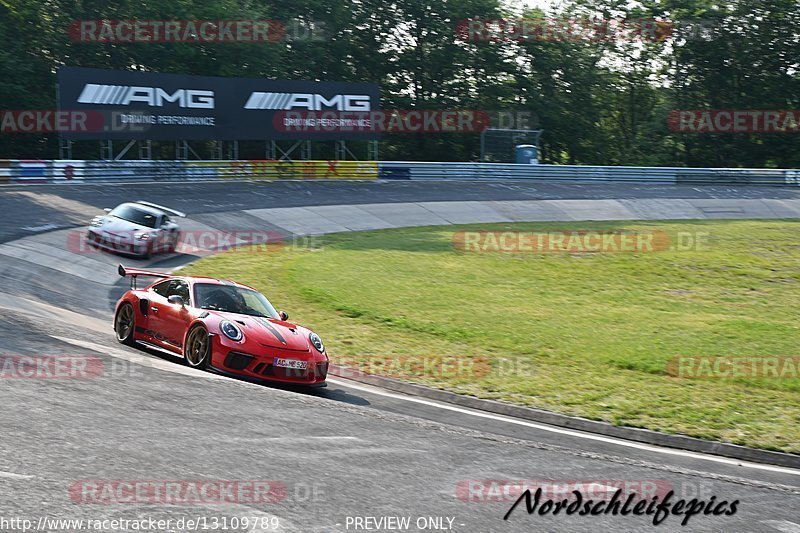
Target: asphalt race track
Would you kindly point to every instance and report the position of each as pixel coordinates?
(331, 455)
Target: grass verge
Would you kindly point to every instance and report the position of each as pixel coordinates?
(585, 334)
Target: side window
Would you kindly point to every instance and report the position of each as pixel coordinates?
(150, 221)
(162, 288)
(179, 287)
(165, 220)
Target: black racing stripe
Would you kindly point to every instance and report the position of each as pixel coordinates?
(271, 328)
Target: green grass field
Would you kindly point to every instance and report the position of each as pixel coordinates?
(586, 334)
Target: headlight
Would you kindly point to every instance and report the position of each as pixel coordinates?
(317, 342)
(141, 236)
(96, 222)
(230, 330)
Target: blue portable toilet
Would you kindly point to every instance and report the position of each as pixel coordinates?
(526, 154)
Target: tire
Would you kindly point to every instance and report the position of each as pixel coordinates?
(173, 242)
(197, 350)
(125, 324)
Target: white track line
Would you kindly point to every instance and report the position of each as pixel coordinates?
(169, 366)
(141, 359)
(562, 431)
(783, 526)
(12, 475)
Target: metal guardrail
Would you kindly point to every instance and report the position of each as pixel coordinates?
(64, 171)
(657, 175)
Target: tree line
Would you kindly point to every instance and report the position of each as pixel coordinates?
(602, 97)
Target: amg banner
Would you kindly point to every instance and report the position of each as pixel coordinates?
(148, 105)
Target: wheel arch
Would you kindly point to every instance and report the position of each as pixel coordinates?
(196, 322)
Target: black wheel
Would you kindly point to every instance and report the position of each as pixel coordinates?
(173, 242)
(197, 351)
(124, 324)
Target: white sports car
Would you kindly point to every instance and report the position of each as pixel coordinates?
(137, 228)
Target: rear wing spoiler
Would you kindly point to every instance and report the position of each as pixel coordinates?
(133, 273)
(161, 207)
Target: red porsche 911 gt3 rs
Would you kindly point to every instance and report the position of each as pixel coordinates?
(221, 325)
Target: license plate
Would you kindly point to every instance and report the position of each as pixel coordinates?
(290, 363)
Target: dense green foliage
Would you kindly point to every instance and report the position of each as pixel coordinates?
(599, 101)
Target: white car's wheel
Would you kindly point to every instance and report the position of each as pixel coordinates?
(173, 242)
(148, 253)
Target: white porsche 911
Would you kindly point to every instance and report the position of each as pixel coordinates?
(136, 228)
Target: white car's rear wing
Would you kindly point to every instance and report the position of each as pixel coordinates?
(165, 209)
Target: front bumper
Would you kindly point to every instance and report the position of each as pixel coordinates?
(115, 243)
(231, 357)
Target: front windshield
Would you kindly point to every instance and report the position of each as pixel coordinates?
(137, 216)
(233, 300)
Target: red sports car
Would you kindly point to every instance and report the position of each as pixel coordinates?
(221, 325)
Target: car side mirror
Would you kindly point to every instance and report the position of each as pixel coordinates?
(175, 299)
(284, 315)
(107, 209)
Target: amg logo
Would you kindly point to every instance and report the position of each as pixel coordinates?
(152, 96)
(312, 102)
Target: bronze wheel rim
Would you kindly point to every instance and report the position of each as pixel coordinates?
(197, 346)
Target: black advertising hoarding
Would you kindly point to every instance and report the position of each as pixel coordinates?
(149, 105)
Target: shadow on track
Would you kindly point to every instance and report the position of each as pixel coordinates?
(338, 395)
